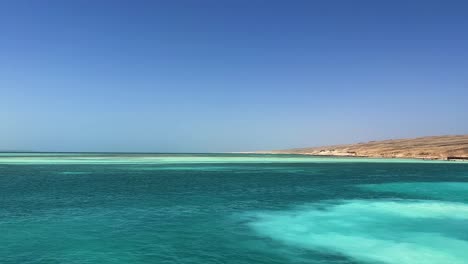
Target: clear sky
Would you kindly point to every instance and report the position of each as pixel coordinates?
(207, 76)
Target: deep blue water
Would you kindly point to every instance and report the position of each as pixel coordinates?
(231, 209)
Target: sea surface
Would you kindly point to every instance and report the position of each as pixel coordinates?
(230, 208)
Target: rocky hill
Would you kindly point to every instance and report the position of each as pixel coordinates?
(434, 147)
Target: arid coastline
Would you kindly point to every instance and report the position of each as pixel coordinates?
(454, 147)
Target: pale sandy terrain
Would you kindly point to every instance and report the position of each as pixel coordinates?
(436, 147)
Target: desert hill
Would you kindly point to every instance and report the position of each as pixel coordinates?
(434, 147)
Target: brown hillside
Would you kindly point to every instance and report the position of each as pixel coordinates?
(435, 147)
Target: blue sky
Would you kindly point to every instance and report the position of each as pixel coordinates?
(208, 76)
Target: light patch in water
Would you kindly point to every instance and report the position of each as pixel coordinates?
(74, 172)
(453, 191)
(183, 159)
(391, 232)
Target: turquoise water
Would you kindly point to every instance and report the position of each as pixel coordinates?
(141, 208)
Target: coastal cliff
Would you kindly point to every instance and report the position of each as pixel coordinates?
(434, 147)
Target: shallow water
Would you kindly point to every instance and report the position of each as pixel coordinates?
(141, 208)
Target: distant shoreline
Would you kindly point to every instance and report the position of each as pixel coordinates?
(450, 148)
(446, 148)
(456, 159)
